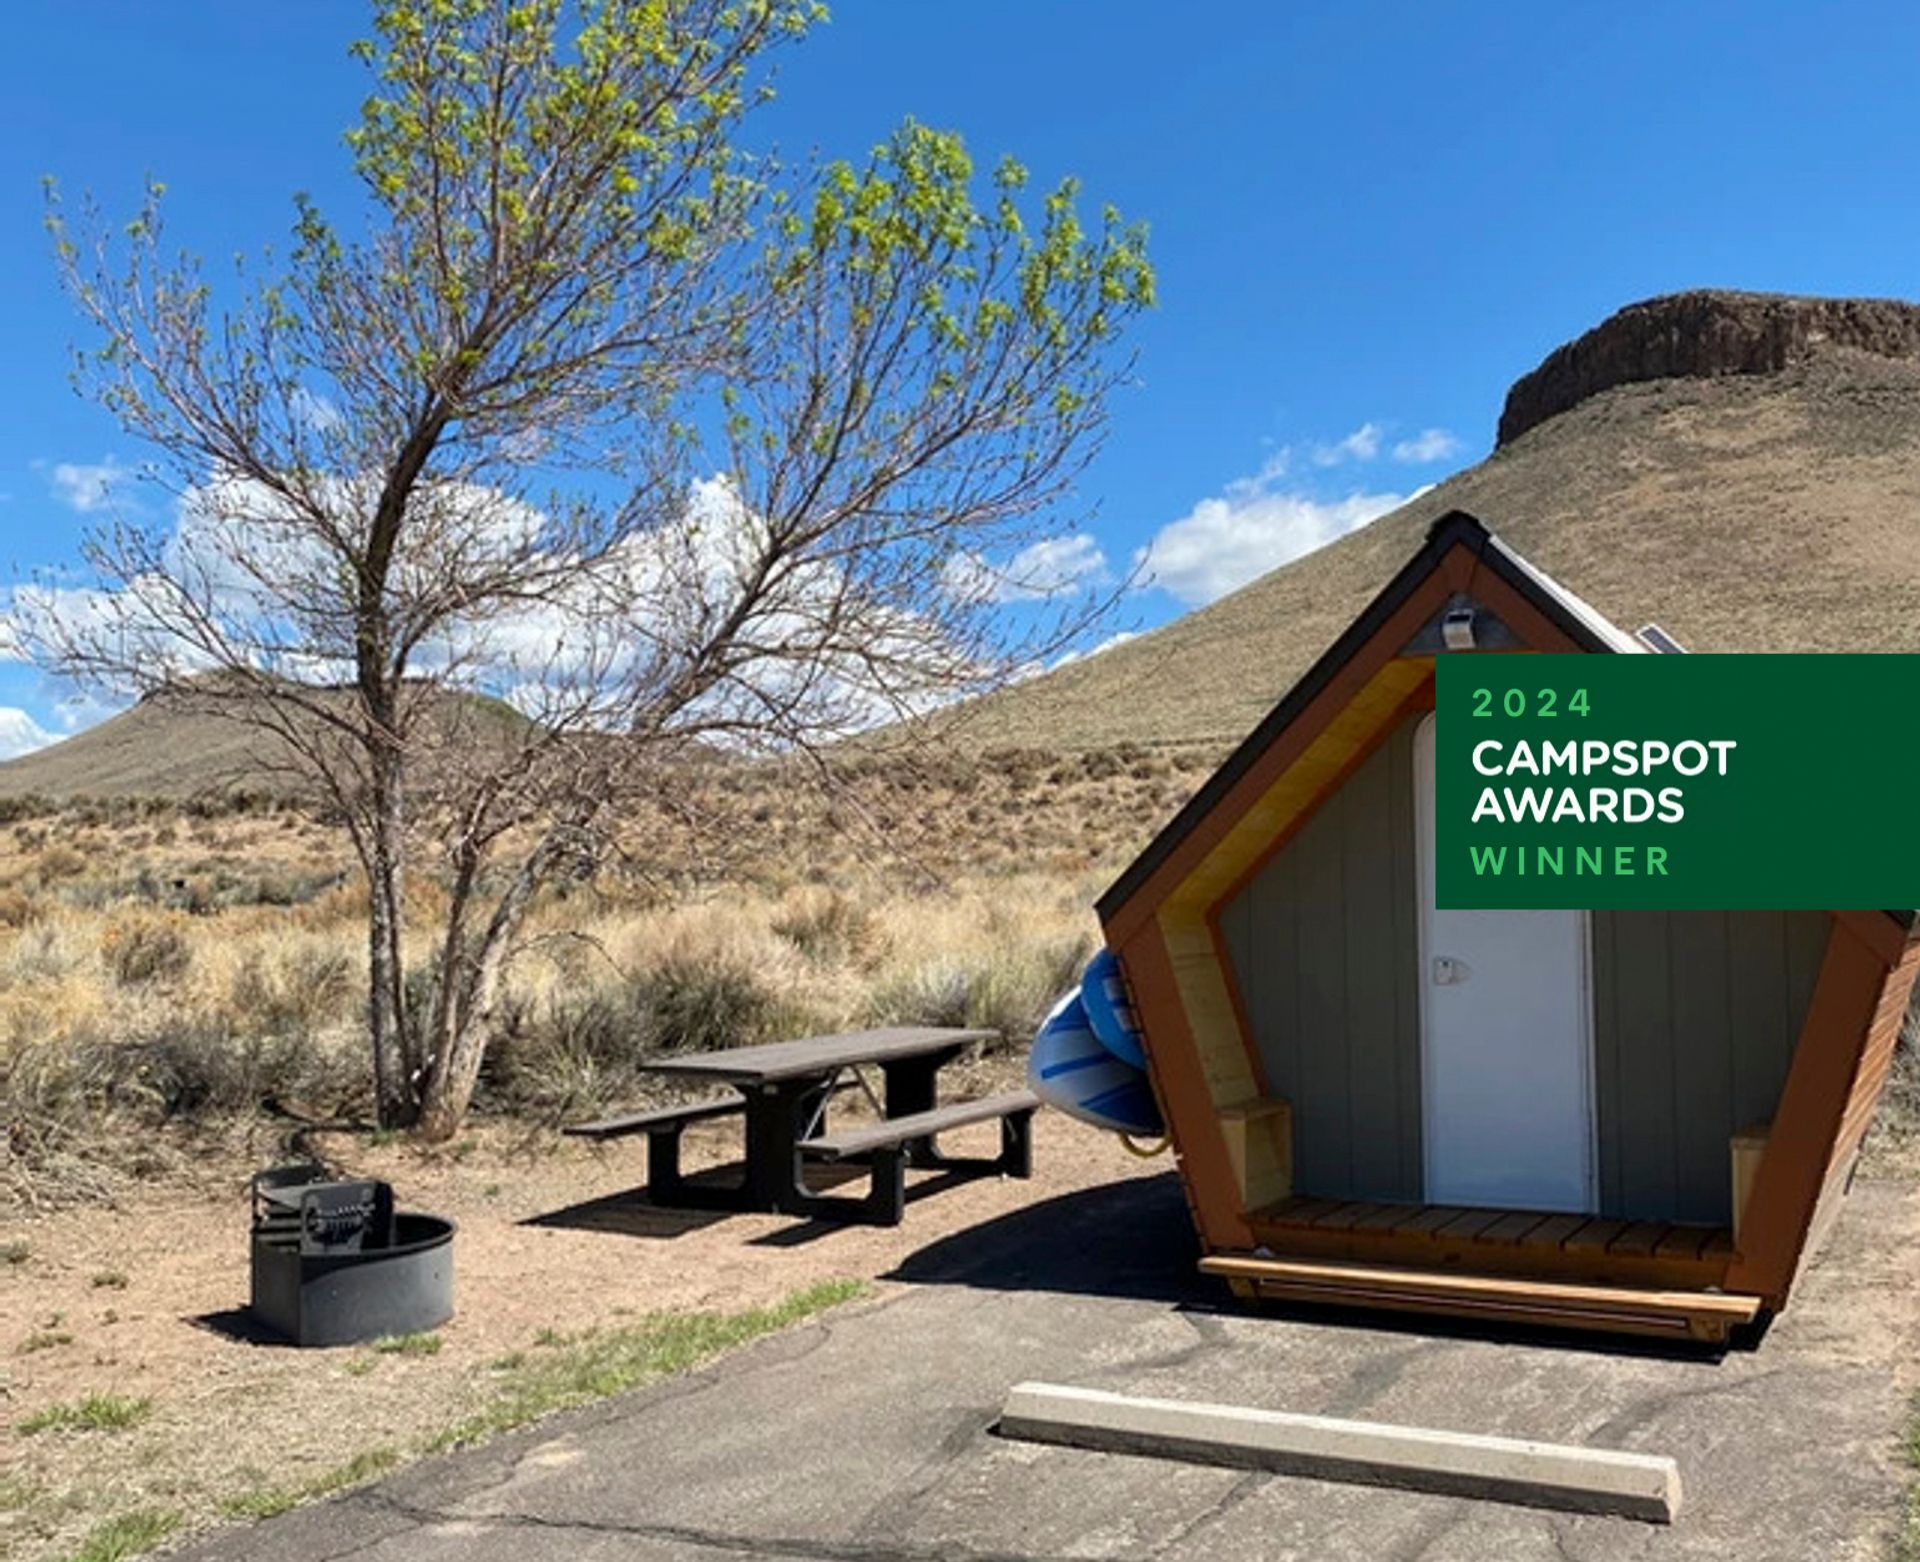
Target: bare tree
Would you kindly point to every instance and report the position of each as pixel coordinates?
(598, 440)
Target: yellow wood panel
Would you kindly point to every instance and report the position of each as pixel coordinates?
(1259, 1137)
(1219, 1048)
(1299, 785)
(1747, 1147)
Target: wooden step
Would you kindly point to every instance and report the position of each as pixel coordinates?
(1529, 1244)
(1697, 1315)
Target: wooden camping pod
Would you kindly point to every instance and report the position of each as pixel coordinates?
(1693, 1260)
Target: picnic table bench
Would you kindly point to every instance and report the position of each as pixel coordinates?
(663, 1127)
(893, 1141)
(666, 1119)
(783, 1089)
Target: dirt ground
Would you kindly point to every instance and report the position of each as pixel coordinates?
(144, 1300)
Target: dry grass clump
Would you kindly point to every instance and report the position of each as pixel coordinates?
(58, 862)
(1893, 1141)
(146, 949)
(17, 907)
(995, 958)
(118, 1022)
(297, 986)
(829, 927)
(145, 999)
(575, 1029)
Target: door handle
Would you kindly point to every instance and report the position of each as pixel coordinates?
(1449, 972)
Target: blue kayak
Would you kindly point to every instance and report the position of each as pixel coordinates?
(1070, 1069)
(1104, 992)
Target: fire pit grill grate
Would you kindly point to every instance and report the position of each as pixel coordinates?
(333, 1262)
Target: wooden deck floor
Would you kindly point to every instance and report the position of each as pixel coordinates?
(1497, 1241)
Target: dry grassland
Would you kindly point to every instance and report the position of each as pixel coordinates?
(171, 976)
(180, 1001)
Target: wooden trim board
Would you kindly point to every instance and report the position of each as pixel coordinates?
(1707, 1316)
(1793, 1166)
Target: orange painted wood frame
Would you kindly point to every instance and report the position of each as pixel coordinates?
(1856, 987)
(1200, 1148)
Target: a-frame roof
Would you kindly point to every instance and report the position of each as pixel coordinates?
(1582, 625)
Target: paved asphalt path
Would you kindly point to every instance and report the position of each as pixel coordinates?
(867, 1436)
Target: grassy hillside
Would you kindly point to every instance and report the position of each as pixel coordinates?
(1742, 512)
(190, 750)
(149, 751)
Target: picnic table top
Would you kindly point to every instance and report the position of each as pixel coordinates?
(816, 1055)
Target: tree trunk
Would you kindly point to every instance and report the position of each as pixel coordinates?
(464, 1017)
(450, 1083)
(395, 1100)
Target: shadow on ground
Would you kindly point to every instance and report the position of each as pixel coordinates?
(921, 1184)
(1131, 1238)
(240, 1325)
(632, 1213)
(627, 1214)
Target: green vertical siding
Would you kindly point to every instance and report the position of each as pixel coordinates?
(1695, 1013)
(1695, 1017)
(1324, 943)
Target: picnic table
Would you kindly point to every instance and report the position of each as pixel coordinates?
(783, 1089)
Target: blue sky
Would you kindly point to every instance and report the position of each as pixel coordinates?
(1367, 219)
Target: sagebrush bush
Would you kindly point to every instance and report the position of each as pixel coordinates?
(32, 806)
(45, 952)
(193, 1067)
(59, 861)
(18, 908)
(188, 1065)
(934, 992)
(296, 988)
(582, 1042)
(146, 949)
(829, 927)
(695, 1001)
(565, 1055)
(1008, 988)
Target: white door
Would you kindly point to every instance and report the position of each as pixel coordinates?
(1506, 1070)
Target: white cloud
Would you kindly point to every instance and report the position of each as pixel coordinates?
(1363, 444)
(1271, 471)
(1222, 543)
(89, 488)
(316, 411)
(132, 621)
(77, 712)
(1431, 444)
(1042, 569)
(1119, 638)
(20, 733)
(816, 647)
